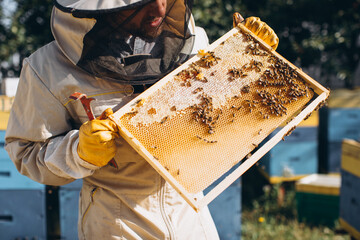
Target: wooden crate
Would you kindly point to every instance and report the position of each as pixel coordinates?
(350, 187)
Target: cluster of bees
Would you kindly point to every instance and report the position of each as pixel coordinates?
(254, 48)
(281, 85)
(208, 59)
(236, 73)
(192, 72)
(204, 113)
(273, 102)
(288, 84)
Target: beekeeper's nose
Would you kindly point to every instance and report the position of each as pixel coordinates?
(158, 8)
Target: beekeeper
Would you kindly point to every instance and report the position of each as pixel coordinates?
(111, 50)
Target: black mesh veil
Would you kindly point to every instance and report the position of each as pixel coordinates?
(114, 51)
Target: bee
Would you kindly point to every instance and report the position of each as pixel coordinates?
(209, 59)
(201, 52)
(140, 102)
(206, 140)
(236, 73)
(246, 89)
(253, 48)
(199, 89)
(199, 76)
(131, 113)
(164, 119)
(256, 65)
(248, 37)
(152, 111)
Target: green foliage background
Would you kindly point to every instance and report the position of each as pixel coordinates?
(322, 34)
(29, 30)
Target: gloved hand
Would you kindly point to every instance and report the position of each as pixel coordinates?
(259, 28)
(97, 140)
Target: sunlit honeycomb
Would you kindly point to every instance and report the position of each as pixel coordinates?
(211, 115)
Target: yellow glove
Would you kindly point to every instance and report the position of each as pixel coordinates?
(97, 140)
(259, 28)
(262, 30)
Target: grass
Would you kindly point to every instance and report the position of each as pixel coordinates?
(271, 227)
(269, 212)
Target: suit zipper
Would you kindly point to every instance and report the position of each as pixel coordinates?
(162, 209)
(92, 193)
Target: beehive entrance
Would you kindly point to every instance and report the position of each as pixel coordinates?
(214, 112)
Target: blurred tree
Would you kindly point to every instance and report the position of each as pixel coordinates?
(4, 36)
(28, 31)
(322, 34)
(215, 16)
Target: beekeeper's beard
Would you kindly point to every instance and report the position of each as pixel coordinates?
(145, 31)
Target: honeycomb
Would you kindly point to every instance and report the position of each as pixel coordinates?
(212, 113)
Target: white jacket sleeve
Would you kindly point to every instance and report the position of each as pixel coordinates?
(201, 40)
(39, 138)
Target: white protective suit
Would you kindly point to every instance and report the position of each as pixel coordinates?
(129, 202)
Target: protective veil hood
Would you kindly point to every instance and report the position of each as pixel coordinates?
(101, 46)
(92, 6)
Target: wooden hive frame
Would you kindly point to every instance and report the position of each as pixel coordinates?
(321, 96)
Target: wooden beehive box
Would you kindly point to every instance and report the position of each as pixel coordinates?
(292, 159)
(339, 120)
(317, 199)
(350, 187)
(202, 119)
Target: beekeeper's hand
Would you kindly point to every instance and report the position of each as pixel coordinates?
(97, 140)
(259, 28)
